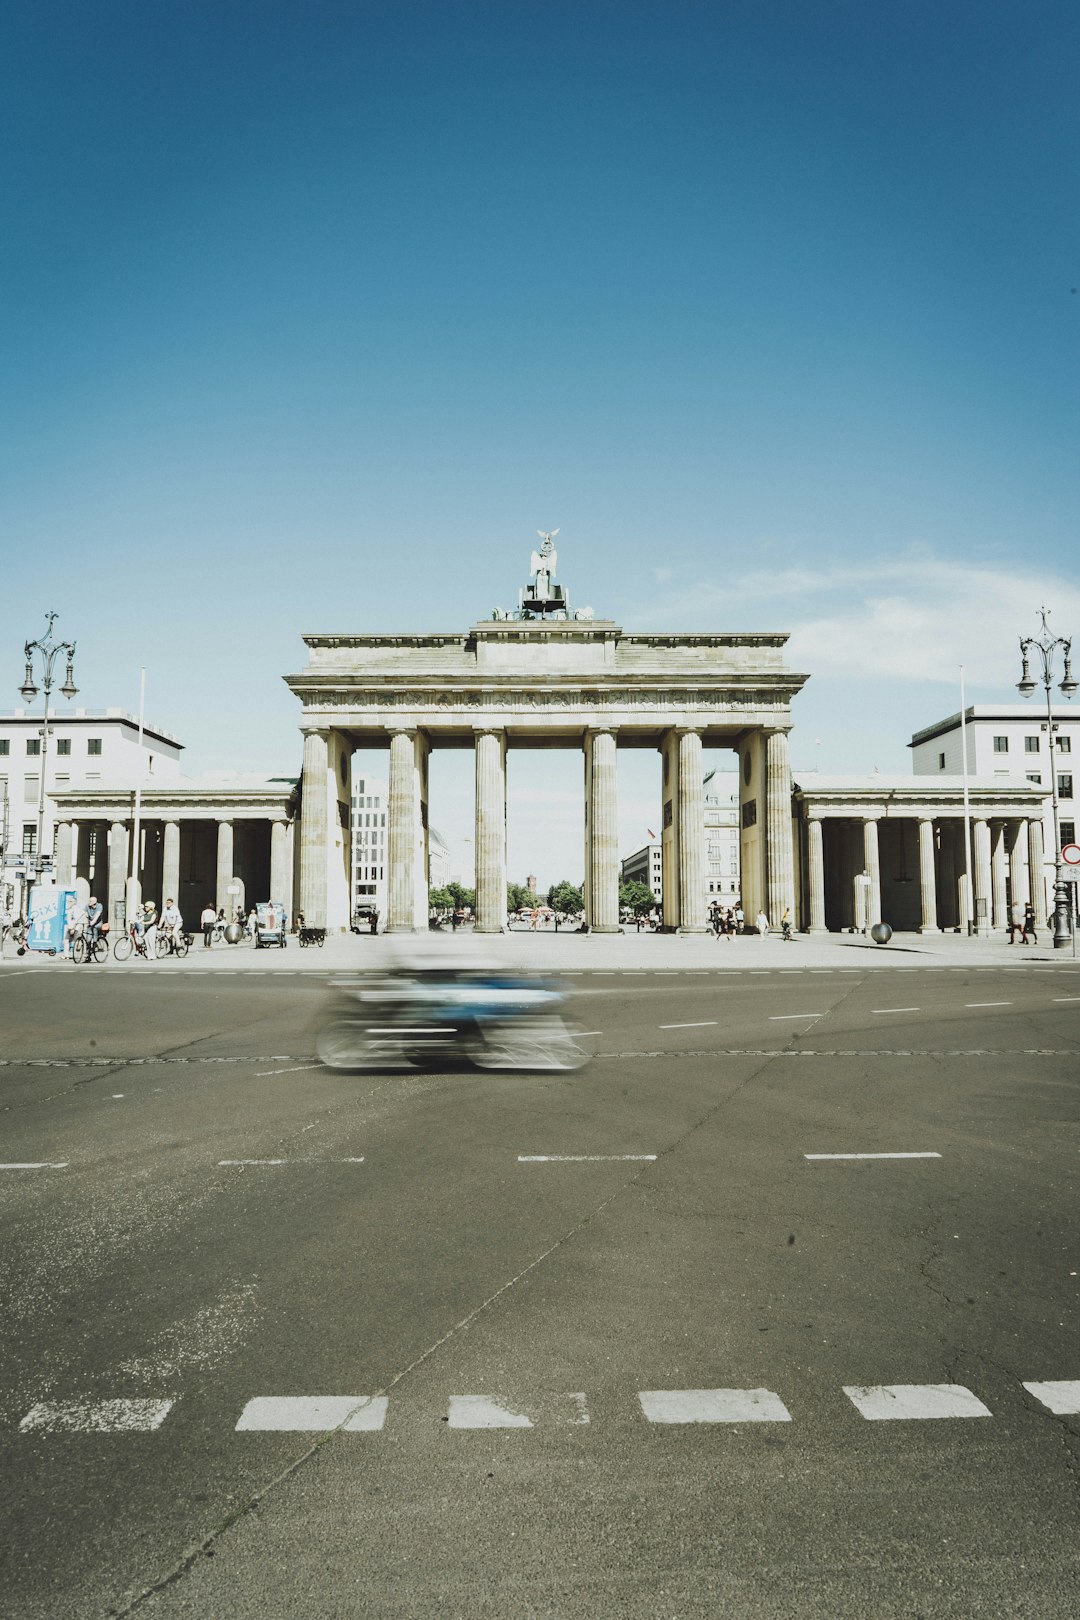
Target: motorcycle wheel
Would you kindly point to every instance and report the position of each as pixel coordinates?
(344, 1045)
(528, 1046)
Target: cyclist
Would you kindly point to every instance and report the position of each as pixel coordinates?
(171, 923)
(95, 911)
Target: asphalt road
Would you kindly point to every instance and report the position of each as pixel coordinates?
(559, 1346)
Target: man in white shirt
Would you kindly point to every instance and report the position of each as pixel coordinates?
(206, 923)
(170, 922)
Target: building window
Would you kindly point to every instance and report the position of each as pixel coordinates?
(1001, 745)
(29, 840)
(5, 746)
(1031, 745)
(63, 745)
(1065, 787)
(33, 745)
(1068, 833)
(63, 781)
(1036, 777)
(941, 762)
(31, 784)
(1064, 745)
(93, 745)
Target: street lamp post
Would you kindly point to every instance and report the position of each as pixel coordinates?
(1046, 647)
(48, 650)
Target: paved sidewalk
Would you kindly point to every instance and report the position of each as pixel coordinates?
(572, 952)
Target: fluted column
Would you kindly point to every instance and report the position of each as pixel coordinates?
(314, 828)
(118, 860)
(224, 865)
(602, 832)
(1016, 848)
(691, 822)
(280, 885)
(980, 836)
(999, 915)
(1036, 876)
(872, 869)
(779, 856)
(63, 854)
(490, 832)
(927, 877)
(816, 874)
(170, 862)
(401, 834)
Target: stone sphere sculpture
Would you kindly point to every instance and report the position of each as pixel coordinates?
(881, 933)
(233, 934)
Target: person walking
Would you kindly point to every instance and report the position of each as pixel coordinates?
(1029, 935)
(785, 925)
(206, 923)
(1016, 924)
(740, 918)
(762, 924)
(6, 921)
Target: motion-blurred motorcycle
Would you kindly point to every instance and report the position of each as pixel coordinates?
(427, 1019)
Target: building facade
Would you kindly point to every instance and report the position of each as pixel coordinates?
(721, 835)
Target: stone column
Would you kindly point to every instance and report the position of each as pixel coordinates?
(1016, 848)
(601, 832)
(224, 866)
(1036, 876)
(118, 860)
(280, 875)
(816, 874)
(872, 869)
(779, 856)
(402, 811)
(949, 897)
(170, 862)
(490, 832)
(63, 854)
(75, 850)
(927, 877)
(999, 917)
(980, 839)
(691, 820)
(314, 828)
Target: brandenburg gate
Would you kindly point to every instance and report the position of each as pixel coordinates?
(543, 678)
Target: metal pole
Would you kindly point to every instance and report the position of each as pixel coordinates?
(138, 780)
(968, 887)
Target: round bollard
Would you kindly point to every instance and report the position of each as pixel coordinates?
(233, 934)
(881, 933)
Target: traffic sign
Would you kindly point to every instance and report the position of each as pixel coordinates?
(1071, 854)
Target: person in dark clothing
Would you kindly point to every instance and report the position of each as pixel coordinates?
(1029, 935)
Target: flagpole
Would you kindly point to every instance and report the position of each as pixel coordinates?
(968, 891)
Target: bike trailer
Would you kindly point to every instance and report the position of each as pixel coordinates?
(270, 920)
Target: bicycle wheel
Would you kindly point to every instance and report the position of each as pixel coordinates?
(78, 950)
(123, 948)
(99, 950)
(161, 948)
(183, 944)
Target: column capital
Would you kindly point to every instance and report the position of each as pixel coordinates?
(482, 730)
(316, 731)
(775, 731)
(402, 730)
(679, 731)
(598, 729)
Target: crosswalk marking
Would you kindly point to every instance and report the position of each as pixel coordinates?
(281, 1414)
(713, 1406)
(1062, 1396)
(95, 1417)
(882, 1402)
(481, 1412)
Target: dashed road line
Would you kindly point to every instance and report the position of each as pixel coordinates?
(713, 1406)
(95, 1417)
(780, 1018)
(42, 1164)
(292, 1414)
(704, 1023)
(987, 1003)
(585, 1158)
(885, 1402)
(871, 1155)
(895, 1009)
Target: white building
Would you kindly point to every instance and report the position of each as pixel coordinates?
(369, 852)
(1009, 742)
(94, 749)
(721, 848)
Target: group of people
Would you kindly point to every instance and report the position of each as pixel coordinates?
(1023, 922)
(212, 920)
(726, 922)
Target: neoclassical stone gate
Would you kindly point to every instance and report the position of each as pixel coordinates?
(535, 683)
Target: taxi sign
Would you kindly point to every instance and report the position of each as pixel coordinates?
(1071, 854)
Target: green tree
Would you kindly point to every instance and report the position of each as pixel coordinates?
(440, 900)
(565, 898)
(636, 896)
(465, 898)
(518, 897)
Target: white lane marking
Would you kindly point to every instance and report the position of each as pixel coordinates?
(704, 1023)
(481, 1412)
(882, 1402)
(1060, 1396)
(895, 1009)
(779, 1018)
(292, 1413)
(1067, 998)
(263, 1072)
(118, 1096)
(222, 1163)
(871, 1155)
(713, 1406)
(95, 1417)
(987, 1003)
(61, 1165)
(583, 1158)
(584, 1032)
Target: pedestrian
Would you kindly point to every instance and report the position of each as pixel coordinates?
(1016, 924)
(6, 921)
(740, 917)
(785, 924)
(374, 920)
(206, 923)
(1029, 926)
(762, 924)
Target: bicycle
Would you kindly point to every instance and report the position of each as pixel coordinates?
(170, 944)
(85, 949)
(129, 942)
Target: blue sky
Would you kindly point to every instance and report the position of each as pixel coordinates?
(313, 314)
